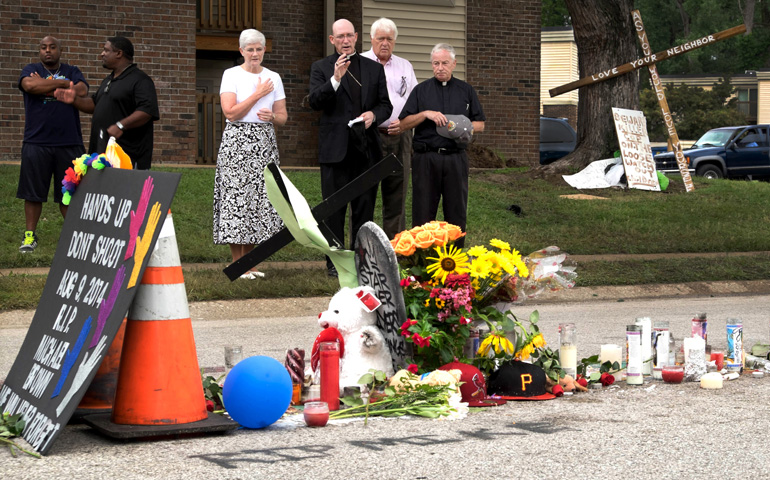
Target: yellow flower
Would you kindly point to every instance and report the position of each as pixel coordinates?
(493, 344)
(500, 244)
(525, 352)
(477, 251)
(440, 303)
(479, 268)
(513, 264)
(449, 260)
(427, 302)
(495, 262)
(538, 341)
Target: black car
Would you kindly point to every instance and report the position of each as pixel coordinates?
(557, 139)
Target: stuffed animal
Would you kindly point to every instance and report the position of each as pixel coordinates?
(352, 313)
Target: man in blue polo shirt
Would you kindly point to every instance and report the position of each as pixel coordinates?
(52, 135)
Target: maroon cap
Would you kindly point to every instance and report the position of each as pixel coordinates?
(474, 386)
(516, 380)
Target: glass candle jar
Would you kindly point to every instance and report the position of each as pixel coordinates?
(568, 348)
(316, 414)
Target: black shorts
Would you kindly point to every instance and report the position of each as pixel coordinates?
(38, 164)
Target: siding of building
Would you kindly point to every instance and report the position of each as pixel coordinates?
(420, 27)
(763, 97)
(558, 66)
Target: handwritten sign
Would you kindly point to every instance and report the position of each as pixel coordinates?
(635, 150)
(377, 267)
(112, 224)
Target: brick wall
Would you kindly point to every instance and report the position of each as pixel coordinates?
(503, 52)
(296, 29)
(163, 33)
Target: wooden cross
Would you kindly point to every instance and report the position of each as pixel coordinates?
(649, 60)
(339, 199)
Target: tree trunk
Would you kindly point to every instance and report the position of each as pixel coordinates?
(605, 38)
(748, 13)
(685, 18)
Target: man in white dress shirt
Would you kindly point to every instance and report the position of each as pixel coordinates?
(401, 80)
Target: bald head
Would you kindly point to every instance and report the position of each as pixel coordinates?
(343, 37)
(50, 51)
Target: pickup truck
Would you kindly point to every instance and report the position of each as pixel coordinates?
(725, 152)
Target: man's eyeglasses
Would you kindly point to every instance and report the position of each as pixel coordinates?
(402, 90)
(109, 82)
(349, 36)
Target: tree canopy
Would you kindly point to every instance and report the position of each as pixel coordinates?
(694, 110)
(674, 22)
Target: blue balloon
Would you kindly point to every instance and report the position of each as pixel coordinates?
(257, 391)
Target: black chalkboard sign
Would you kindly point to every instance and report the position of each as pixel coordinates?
(112, 224)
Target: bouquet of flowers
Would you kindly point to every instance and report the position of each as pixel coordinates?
(449, 290)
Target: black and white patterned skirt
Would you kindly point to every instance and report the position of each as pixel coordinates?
(243, 214)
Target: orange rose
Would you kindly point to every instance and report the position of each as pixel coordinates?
(454, 232)
(424, 240)
(405, 245)
(414, 231)
(394, 241)
(431, 226)
(441, 238)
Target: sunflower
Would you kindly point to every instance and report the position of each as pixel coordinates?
(525, 352)
(515, 262)
(538, 341)
(497, 243)
(494, 344)
(450, 260)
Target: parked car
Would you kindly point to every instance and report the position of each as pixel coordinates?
(557, 139)
(725, 152)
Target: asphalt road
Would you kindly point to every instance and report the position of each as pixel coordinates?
(653, 431)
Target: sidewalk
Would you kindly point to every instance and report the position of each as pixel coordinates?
(611, 257)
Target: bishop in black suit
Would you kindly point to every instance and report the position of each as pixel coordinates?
(345, 86)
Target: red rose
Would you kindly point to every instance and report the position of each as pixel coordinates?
(557, 391)
(607, 379)
(413, 368)
(209, 405)
(583, 382)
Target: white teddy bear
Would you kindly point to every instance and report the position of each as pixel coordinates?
(352, 312)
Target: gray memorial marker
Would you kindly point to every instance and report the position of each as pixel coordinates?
(378, 268)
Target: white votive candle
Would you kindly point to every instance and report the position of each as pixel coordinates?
(612, 353)
(568, 359)
(711, 381)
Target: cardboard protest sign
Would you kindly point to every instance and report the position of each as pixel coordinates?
(631, 127)
(112, 224)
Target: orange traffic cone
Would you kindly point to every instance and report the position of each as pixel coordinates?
(101, 393)
(159, 381)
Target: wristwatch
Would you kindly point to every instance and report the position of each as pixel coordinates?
(119, 125)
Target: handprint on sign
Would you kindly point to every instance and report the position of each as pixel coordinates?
(89, 363)
(137, 216)
(105, 308)
(143, 243)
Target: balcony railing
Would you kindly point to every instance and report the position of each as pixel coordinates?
(229, 15)
(211, 122)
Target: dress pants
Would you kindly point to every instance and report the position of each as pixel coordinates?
(334, 176)
(394, 187)
(437, 177)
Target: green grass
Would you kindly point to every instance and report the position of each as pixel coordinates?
(719, 216)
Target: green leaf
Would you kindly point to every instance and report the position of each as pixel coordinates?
(534, 317)
(366, 379)
(595, 377)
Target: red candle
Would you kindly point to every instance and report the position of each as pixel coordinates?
(316, 414)
(673, 373)
(720, 359)
(330, 374)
